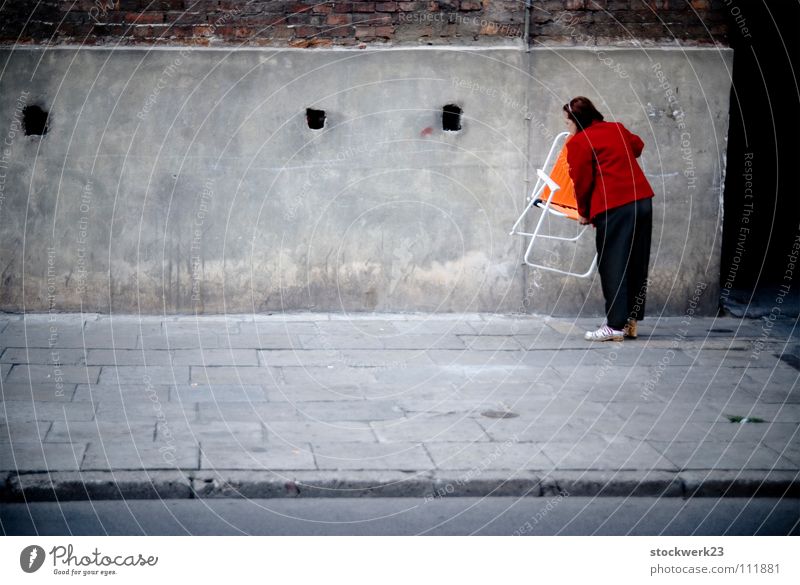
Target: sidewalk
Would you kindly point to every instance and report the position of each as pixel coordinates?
(286, 405)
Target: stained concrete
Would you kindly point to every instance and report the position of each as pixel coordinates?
(187, 180)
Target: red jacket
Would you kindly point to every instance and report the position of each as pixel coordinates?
(603, 167)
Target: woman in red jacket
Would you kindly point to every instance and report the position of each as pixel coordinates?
(614, 196)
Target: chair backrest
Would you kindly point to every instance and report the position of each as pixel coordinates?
(565, 196)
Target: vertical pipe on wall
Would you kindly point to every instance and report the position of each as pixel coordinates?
(526, 36)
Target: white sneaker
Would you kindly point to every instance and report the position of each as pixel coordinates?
(605, 333)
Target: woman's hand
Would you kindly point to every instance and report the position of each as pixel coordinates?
(583, 220)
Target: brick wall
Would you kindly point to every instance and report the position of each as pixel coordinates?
(314, 24)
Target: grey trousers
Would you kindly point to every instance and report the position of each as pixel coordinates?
(623, 247)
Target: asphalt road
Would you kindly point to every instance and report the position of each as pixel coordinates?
(407, 516)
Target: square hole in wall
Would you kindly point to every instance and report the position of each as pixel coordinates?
(315, 118)
(34, 121)
(451, 118)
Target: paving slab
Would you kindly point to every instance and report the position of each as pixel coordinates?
(119, 394)
(22, 411)
(769, 433)
(38, 392)
(257, 456)
(444, 357)
(420, 341)
(485, 342)
(426, 375)
(345, 456)
(427, 428)
(97, 431)
(377, 328)
(536, 429)
(20, 431)
(352, 410)
(300, 357)
(145, 411)
(332, 376)
(388, 358)
(216, 357)
(52, 373)
(313, 392)
(247, 375)
(217, 393)
(261, 341)
(444, 406)
(200, 431)
(41, 356)
(142, 374)
(419, 391)
(317, 432)
(29, 456)
(514, 326)
(436, 327)
(353, 341)
(234, 412)
(125, 454)
(179, 340)
(291, 328)
(716, 455)
(128, 357)
(789, 451)
(477, 458)
(617, 453)
(323, 404)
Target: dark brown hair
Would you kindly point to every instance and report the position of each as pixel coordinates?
(581, 110)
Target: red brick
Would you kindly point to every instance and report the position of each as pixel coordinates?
(490, 29)
(143, 32)
(363, 7)
(305, 31)
(470, 6)
(260, 20)
(384, 31)
(337, 32)
(386, 6)
(76, 30)
(343, 7)
(202, 30)
(326, 8)
(181, 31)
(338, 19)
(363, 32)
(408, 6)
(197, 41)
(280, 32)
(371, 19)
(144, 17)
(297, 18)
(321, 42)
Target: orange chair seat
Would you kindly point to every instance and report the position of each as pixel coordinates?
(564, 200)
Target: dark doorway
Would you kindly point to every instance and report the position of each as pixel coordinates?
(761, 202)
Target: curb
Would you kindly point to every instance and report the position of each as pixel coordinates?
(138, 485)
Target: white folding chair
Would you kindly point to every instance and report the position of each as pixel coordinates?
(558, 201)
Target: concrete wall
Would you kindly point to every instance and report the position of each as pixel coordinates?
(181, 180)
